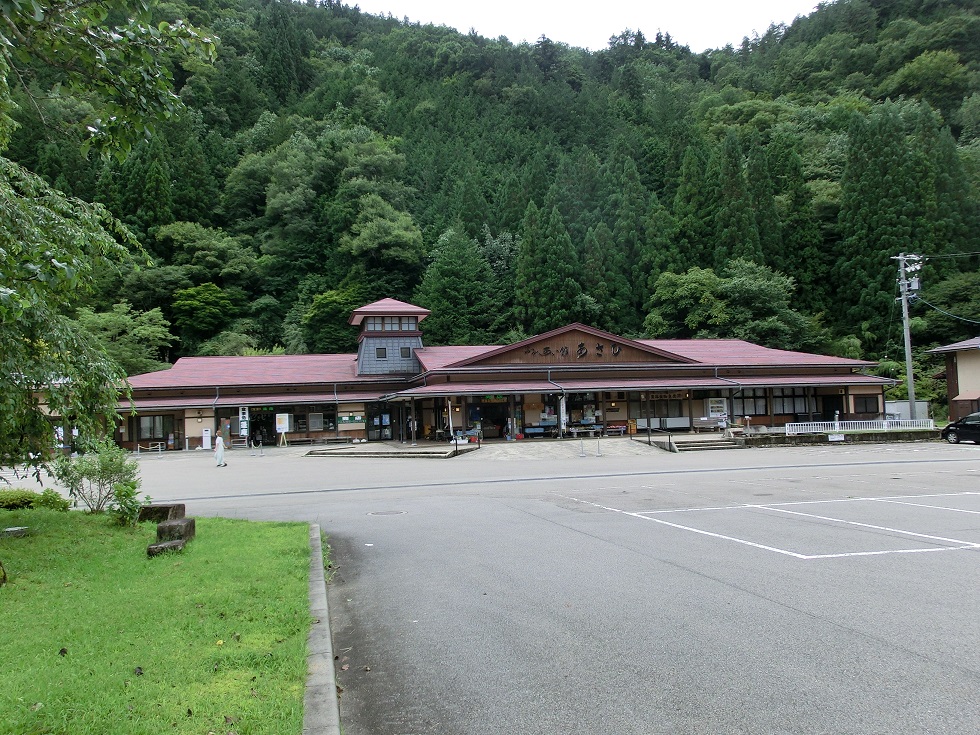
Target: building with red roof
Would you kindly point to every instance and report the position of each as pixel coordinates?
(962, 376)
(569, 380)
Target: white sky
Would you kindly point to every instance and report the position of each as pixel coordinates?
(700, 24)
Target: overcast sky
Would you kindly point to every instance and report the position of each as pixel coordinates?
(700, 24)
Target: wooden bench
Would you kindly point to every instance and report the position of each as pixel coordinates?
(615, 430)
(709, 424)
(300, 440)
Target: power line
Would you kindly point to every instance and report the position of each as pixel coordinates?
(950, 255)
(941, 311)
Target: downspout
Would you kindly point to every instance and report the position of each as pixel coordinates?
(561, 405)
(336, 401)
(733, 382)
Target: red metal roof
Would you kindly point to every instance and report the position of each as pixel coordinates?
(736, 352)
(967, 344)
(271, 372)
(388, 307)
(206, 372)
(437, 358)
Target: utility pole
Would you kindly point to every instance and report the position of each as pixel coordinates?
(908, 286)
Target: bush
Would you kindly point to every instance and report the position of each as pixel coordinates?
(93, 476)
(125, 505)
(52, 500)
(17, 499)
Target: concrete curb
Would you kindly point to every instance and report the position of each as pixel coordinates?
(321, 713)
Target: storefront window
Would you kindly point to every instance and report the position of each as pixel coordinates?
(789, 400)
(866, 404)
(750, 402)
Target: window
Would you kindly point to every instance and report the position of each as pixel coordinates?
(409, 323)
(866, 404)
(373, 324)
(789, 400)
(406, 352)
(381, 353)
(155, 427)
(750, 402)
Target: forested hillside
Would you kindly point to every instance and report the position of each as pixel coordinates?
(329, 158)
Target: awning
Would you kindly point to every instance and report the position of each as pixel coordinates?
(968, 395)
(440, 390)
(280, 399)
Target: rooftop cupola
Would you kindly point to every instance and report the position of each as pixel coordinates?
(389, 337)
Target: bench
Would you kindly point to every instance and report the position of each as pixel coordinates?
(301, 440)
(337, 439)
(615, 430)
(710, 424)
(588, 430)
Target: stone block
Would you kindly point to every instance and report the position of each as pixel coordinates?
(178, 528)
(165, 546)
(161, 512)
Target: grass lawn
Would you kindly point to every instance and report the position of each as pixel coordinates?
(99, 639)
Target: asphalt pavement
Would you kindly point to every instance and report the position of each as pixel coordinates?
(553, 587)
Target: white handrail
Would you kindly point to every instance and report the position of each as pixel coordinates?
(823, 427)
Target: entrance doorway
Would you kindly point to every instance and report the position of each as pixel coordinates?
(378, 421)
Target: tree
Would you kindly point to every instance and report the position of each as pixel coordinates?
(686, 305)
(736, 233)
(51, 245)
(325, 325)
(747, 301)
(386, 245)
(458, 288)
(201, 311)
(548, 295)
(122, 69)
(134, 340)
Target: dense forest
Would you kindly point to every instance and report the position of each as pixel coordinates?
(328, 158)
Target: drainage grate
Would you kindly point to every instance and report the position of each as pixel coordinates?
(387, 513)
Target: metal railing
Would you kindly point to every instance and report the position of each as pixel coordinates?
(826, 427)
(151, 447)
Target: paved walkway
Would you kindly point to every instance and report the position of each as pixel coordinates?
(495, 450)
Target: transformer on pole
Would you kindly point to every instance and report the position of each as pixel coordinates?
(908, 287)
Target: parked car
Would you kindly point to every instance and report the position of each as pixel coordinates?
(966, 429)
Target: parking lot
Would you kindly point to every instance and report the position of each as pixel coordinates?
(809, 590)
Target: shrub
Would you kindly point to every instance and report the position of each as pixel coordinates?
(125, 505)
(93, 476)
(52, 500)
(17, 499)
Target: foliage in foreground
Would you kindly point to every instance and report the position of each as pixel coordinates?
(19, 499)
(114, 643)
(53, 245)
(104, 478)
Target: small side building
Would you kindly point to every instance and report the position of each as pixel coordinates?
(962, 376)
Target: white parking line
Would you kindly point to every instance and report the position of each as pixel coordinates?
(957, 544)
(965, 544)
(687, 528)
(924, 505)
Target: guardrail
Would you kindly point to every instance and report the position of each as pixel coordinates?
(152, 447)
(826, 427)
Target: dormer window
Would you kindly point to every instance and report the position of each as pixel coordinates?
(391, 324)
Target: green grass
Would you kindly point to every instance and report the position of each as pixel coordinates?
(218, 631)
